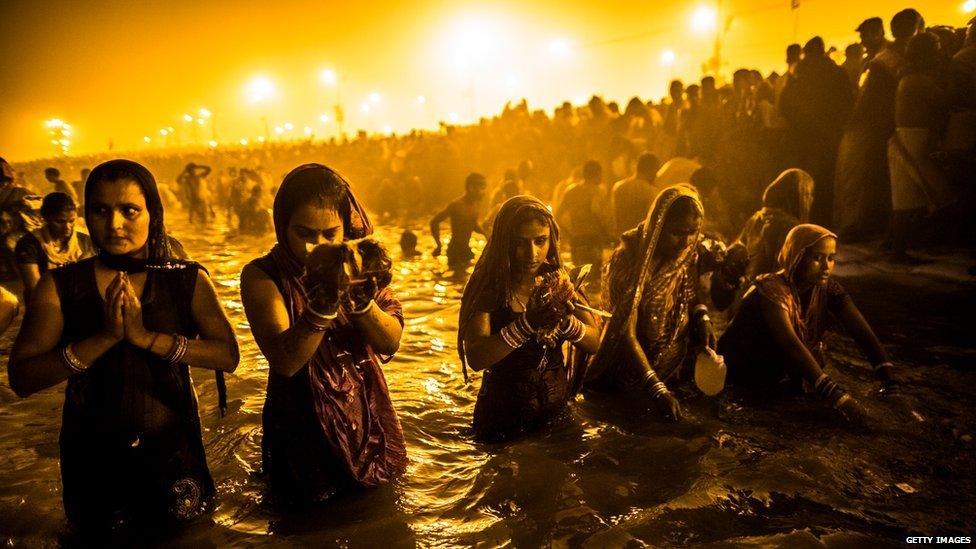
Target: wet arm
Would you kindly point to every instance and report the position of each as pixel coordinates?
(30, 274)
(858, 328)
(591, 339)
(380, 329)
(483, 350)
(799, 358)
(35, 360)
(435, 225)
(287, 347)
(216, 348)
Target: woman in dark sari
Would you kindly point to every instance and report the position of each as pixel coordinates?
(653, 293)
(329, 423)
(786, 204)
(517, 310)
(776, 339)
(122, 328)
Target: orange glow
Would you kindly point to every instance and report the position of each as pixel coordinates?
(440, 61)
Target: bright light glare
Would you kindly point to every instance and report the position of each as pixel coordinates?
(54, 123)
(289, 126)
(969, 6)
(474, 40)
(667, 58)
(244, 141)
(421, 100)
(205, 113)
(212, 143)
(365, 108)
(375, 97)
(147, 139)
(324, 118)
(188, 118)
(259, 89)
(388, 130)
(704, 19)
(329, 77)
(559, 48)
(308, 130)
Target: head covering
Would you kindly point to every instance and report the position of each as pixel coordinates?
(632, 284)
(158, 247)
(315, 183)
(348, 390)
(786, 193)
(6, 171)
(800, 239)
(808, 321)
(488, 289)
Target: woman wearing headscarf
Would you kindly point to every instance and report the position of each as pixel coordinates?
(123, 328)
(652, 292)
(329, 423)
(786, 204)
(776, 338)
(516, 312)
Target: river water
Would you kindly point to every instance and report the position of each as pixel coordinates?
(778, 473)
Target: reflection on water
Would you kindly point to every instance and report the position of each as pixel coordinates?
(767, 473)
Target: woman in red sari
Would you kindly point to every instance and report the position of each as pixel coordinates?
(329, 423)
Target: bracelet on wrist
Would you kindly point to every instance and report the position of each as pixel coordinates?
(71, 360)
(152, 341)
(885, 364)
(177, 351)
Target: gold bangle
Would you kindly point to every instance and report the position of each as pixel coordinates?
(71, 360)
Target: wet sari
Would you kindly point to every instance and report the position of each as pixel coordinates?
(649, 327)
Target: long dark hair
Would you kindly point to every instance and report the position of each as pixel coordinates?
(158, 245)
(489, 287)
(321, 185)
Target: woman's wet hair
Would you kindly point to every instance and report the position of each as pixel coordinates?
(57, 202)
(320, 186)
(158, 244)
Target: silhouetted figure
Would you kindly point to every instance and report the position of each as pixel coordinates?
(583, 216)
(918, 185)
(464, 214)
(817, 105)
(630, 198)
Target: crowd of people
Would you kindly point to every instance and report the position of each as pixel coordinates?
(726, 199)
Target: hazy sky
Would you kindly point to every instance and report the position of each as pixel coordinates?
(122, 70)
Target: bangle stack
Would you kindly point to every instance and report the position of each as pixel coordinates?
(317, 321)
(177, 351)
(886, 364)
(828, 390)
(517, 333)
(71, 360)
(575, 330)
(657, 387)
(364, 310)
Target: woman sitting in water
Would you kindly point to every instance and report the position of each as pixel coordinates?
(653, 293)
(776, 338)
(513, 331)
(786, 204)
(122, 329)
(328, 419)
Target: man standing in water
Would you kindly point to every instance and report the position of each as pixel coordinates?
(582, 215)
(464, 214)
